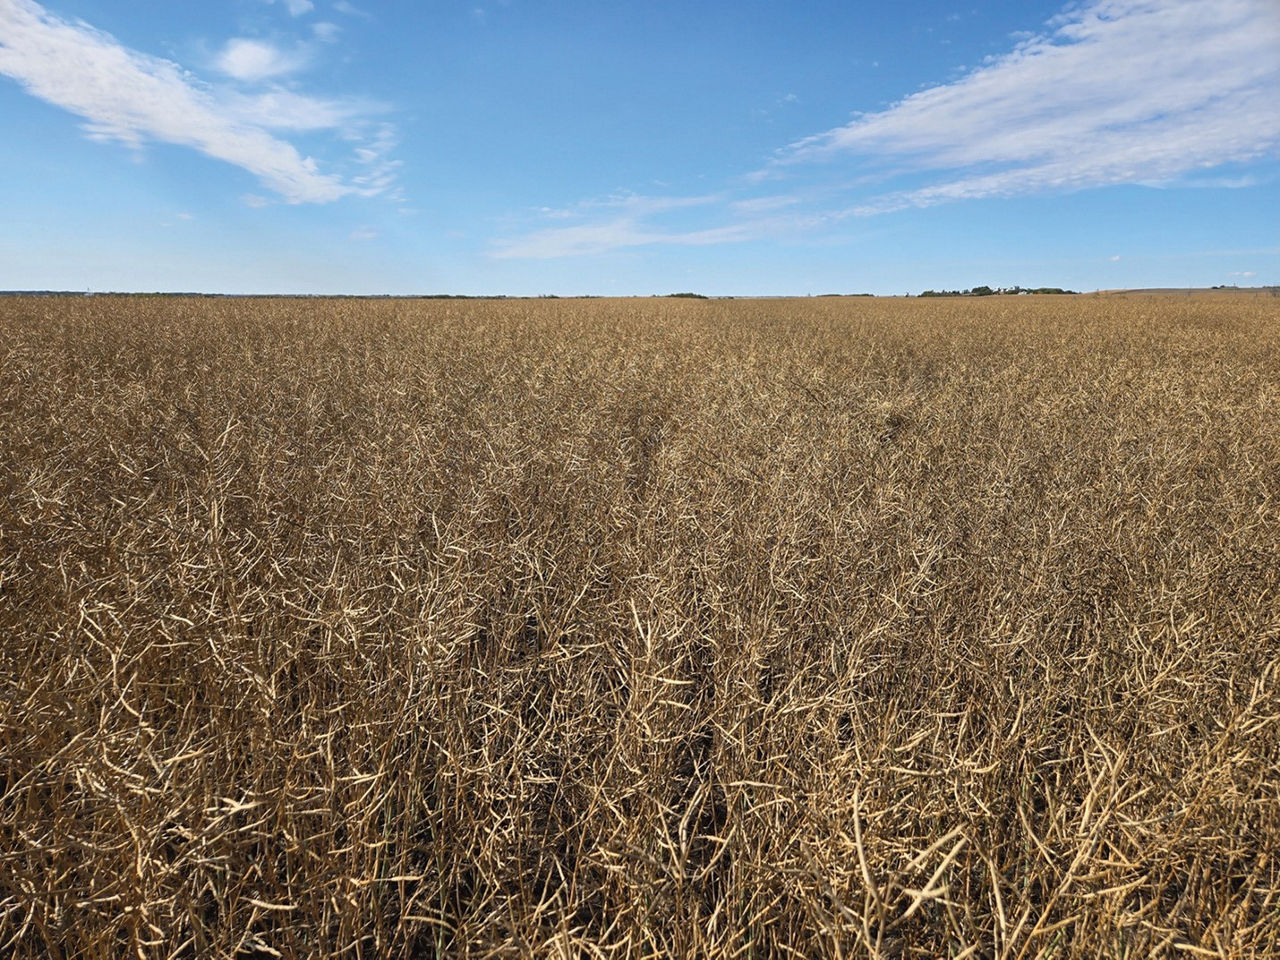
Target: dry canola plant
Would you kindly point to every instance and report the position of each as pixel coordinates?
(640, 628)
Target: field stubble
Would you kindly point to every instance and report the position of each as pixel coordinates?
(640, 628)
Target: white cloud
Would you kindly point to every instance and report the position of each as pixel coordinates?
(1150, 92)
(632, 204)
(280, 109)
(133, 98)
(377, 170)
(1211, 183)
(615, 235)
(624, 227)
(753, 205)
(297, 8)
(253, 60)
(326, 32)
(350, 9)
(1115, 259)
(1118, 91)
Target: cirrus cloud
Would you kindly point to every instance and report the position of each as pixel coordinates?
(297, 8)
(129, 97)
(1151, 92)
(1116, 91)
(617, 234)
(252, 60)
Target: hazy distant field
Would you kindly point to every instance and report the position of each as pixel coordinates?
(944, 628)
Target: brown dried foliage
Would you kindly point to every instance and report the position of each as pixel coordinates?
(640, 628)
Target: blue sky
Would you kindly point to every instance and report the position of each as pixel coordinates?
(589, 146)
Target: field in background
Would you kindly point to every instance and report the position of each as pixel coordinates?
(640, 628)
(1234, 293)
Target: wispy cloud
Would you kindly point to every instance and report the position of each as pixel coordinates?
(297, 8)
(626, 215)
(621, 233)
(1116, 91)
(253, 60)
(765, 204)
(351, 10)
(281, 109)
(325, 31)
(632, 204)
(133, 98)
(377, 170)
(1151, 92)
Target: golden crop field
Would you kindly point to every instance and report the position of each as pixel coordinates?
(640, 628)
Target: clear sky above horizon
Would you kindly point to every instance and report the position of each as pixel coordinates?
(529, 147)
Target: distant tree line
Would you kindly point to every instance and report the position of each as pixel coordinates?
(985, 291)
